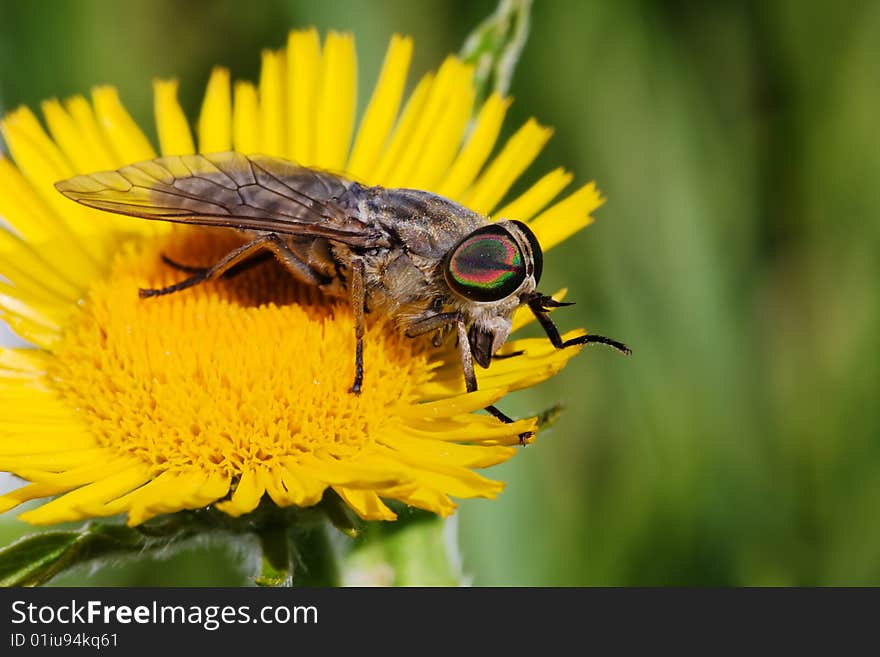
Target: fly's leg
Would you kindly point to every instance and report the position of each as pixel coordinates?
(599, 339)
(431, 323)
(495, 412)
(185, 268)
(512, 354)
(232, 272)
(240, 257)
(539, 305)
(470, 378)
(438, 321)
(358, 300)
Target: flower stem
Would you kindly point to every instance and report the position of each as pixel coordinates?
(297, 556)
(277, 557)
(316, 559)
(495, 45)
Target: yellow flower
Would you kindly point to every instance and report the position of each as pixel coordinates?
(239, 388)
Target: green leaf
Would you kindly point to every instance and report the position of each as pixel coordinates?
(33, 560)
(495, 45)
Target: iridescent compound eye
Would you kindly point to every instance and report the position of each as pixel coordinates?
(537, 253)
(487, 265)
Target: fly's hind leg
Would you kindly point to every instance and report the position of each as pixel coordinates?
(185, 268)
(240, 268)
(239, 260)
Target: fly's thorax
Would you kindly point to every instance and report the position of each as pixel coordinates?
(423, 224)
(400, 284)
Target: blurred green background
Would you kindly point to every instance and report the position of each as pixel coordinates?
(739, 148)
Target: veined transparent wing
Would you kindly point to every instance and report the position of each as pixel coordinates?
(255, 192)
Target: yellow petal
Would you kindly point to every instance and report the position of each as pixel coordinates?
(29, 325)
(475, 153)
(444, 134)
(477, 429)
(273, 139)
(33, 271)
(121, 132)
(67, 135)
(405, 126)
(23, 360)
(35, 442)
(291, 485)
(89, 500)
(98, 155)
(246, 497)
(55, 461)
(23, 208)
(439, 124)
(382, 110)
(215, 120)
(303, 489)
(518, 153)
(175, 137)
(533, 200)
(46, 484)
(565, 218)
(456, 481)
(158, 489)
(18, 301)
(43, 164)
(366, 504)
(303, 69)
(453, 405)
(423, 497)
(245, 118)
(187, 490)
(351, 474)
(447, 453)
(337, 101)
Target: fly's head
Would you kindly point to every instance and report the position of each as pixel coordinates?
(490, 273)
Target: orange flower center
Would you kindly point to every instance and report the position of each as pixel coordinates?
(226, 374)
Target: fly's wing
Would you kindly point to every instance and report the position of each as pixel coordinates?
(255, 192)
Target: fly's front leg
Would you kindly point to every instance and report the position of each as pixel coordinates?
(470, 378)
(358, 301)
(539, 305)
(464, 352)
(440, 321)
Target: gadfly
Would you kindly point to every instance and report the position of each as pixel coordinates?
(432, 265)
